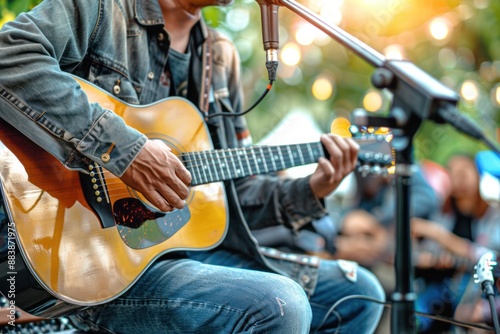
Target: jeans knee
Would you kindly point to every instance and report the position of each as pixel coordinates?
(369, 285)
(290, 306)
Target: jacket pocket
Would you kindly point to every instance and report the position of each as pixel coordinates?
(115, 83)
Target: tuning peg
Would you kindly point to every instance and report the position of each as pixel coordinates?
(375, 169)
(364, 170)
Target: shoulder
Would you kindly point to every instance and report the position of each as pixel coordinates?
(224, 50)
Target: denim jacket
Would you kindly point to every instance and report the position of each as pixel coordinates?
(122, 46)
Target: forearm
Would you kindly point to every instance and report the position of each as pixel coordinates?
(45, 103)
(456, 245)
(271, 201)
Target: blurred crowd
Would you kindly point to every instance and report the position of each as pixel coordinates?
(452, 225)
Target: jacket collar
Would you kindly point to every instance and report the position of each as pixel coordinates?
(148, 13)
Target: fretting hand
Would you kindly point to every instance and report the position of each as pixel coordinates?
(330, 172)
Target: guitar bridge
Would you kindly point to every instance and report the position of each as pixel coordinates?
(96, 193)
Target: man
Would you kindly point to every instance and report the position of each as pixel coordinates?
(142, 51)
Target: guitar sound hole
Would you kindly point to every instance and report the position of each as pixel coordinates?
(132, 213)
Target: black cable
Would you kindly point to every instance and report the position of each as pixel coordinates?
(341, 300)
(490, 293)
(494, 315)
(272, 67)
(389, 305)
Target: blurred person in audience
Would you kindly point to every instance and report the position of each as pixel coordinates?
(449, 244)
(367, 220)
(360, 222)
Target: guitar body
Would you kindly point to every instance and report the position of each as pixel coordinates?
(76, 243)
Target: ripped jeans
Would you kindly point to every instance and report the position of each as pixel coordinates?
(214, 292)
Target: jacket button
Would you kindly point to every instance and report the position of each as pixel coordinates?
(151, 75)
(161, 37)
(116, 89)
(306, 279)
(105, 157)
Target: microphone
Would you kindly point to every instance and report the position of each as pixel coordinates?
(270, 36)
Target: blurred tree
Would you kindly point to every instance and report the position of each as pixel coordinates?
(455, 41)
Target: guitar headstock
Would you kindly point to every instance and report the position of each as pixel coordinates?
(375, 153)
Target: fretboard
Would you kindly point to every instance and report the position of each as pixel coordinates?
(219, 165)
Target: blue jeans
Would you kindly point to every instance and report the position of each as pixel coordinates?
(214, 292)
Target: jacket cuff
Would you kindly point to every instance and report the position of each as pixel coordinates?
(301, 204)
(112, 143)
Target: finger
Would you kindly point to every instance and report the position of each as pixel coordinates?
(345, 150)
(327, 169)
(334, 151)
(350, 150)
(171, 197)
(354, 151)
(175, 188)
(157, 200)
(184, 175)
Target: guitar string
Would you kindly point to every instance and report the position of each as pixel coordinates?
(197, 160)
(229, 171)
(266, 153)
(198, 163)
(232, 162)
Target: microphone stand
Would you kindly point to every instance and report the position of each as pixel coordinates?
(416, 96)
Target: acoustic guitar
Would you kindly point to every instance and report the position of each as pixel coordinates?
(80, 239)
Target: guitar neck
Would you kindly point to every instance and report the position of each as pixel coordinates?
(220, 165)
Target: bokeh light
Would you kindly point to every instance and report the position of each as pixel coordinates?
(440, 28)
(372, 101)
(322, 88)
(238, 19)
(495, 95)
(305, 34)
(291, 54)
(340, 126)
(469, 91)
(394, 52)
(447, 58)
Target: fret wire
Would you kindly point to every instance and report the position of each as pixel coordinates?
(203, 168)
(196, 169)
(281, 157)
(207, 166)
(226, 165)
(215, 169)
(301, 157)
(231, 154)
(228, 161)
(272, 158)
(320, 149)
(263, 160)
(309, 149)
(227, 157)
(239, 154)
(290, 154)
(220, 164)
(248, 164)
(255, 159)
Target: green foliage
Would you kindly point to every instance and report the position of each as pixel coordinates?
(16, 6)
(474, 44)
